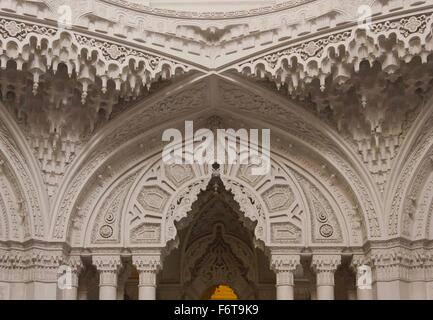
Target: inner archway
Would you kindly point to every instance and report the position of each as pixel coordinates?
(217, 256)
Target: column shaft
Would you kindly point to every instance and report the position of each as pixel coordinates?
(148, 267)
(325, 267)
(285, 293)
(146, 292)
(284, 266)
(108, 267)
(364, 294)
(108, 285)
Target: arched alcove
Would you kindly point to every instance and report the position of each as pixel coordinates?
(215, 247)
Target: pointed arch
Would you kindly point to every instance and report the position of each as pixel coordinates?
(31, 205)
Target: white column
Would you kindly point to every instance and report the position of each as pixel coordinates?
(108, 267)
(70, 290)
(364, 277)
(147, 267)
(325, 266)
(284, 267)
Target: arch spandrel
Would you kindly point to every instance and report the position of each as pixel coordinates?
(23, 193)
(348, 104)
(106, 155)
(156, 200)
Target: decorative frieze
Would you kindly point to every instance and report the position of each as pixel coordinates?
(30, 265)
(390, 264)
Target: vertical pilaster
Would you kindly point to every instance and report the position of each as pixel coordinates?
(325, 266)
(284, 267)
(147, 267)
(4, 277)
(108, 268)
(428, 265)
(418, 284)
(18, 276)
(390, 273)
(42, 272)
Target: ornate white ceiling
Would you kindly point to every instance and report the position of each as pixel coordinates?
(208, 9)
(207, 5)
(360, 91)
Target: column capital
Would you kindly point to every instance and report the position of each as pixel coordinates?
(359, 260)
(324, 266)
(74, 265)
(285, 262)
(326, 262)
(284, 266)
(149, 263)
(107, 263)
(147, 266)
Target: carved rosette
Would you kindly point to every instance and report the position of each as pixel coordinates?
(325, 266)
(284, 267)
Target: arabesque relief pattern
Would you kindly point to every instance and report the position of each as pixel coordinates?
(83, 185)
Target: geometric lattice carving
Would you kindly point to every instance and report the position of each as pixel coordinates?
(285, 233)
(278, 198)
(153, 198)
(179, 174)
(146, 233)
